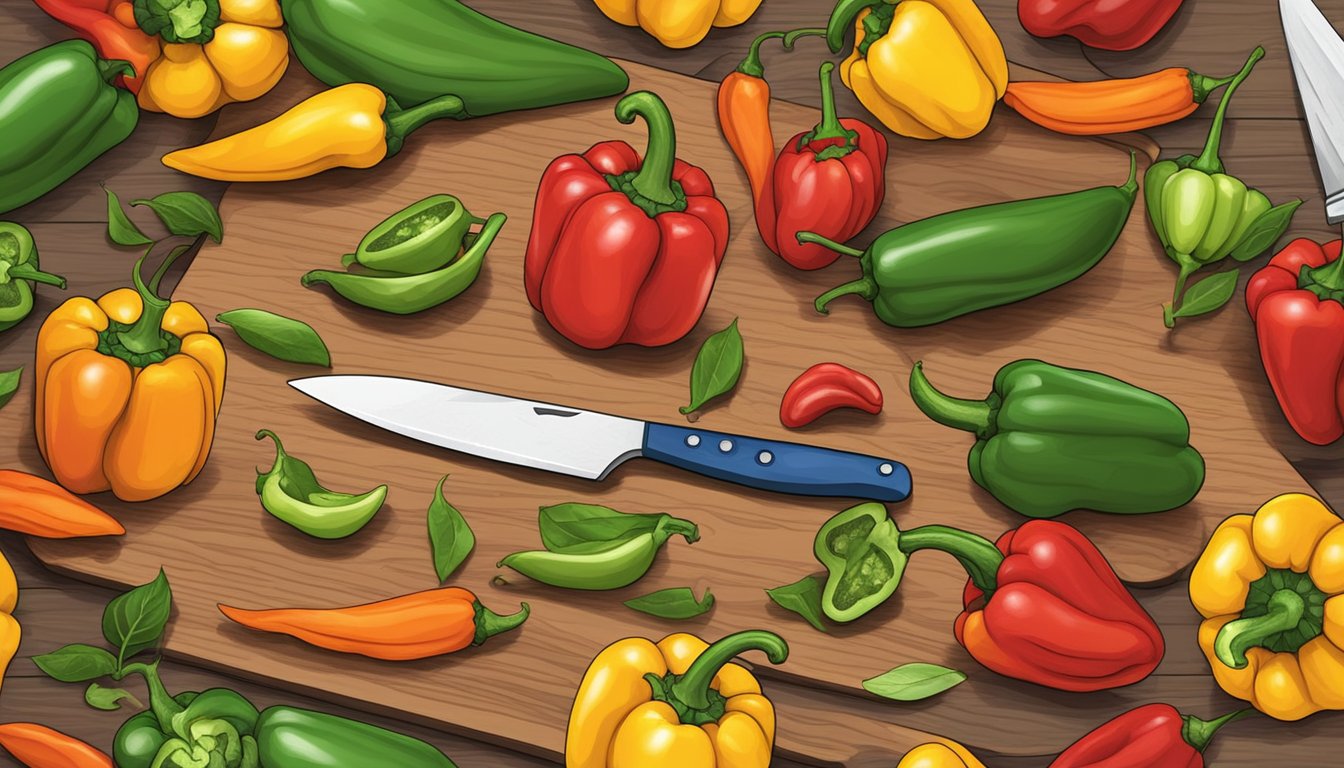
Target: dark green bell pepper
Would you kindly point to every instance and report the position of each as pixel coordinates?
(289, 737)
(1052, 439)
(18, 272)
(212, 728)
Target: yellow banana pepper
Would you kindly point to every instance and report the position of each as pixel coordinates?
(351, 126)
(679, 703)
(1268, 586)
(678, 23)
(939, 755)
(927, 69)
(9, 627)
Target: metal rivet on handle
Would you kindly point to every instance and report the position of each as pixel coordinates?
(693, 440)
(886, 469)
(725, 445)
(765, 457)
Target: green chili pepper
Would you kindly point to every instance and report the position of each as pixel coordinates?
(421, 237)
(955, 263)
(1052, 439)
(291, 492)
(289, 737)
(407, 294)
(18, 272)
(600, 564)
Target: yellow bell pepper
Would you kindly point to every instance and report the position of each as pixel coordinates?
(10, 631)
(679, 703)
(927, 69)
(678, 23)
(1268, 586)
(128, 390)
(940, 755)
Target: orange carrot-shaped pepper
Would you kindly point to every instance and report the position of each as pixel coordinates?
(38, 507)
(415, 626)
(38, 746)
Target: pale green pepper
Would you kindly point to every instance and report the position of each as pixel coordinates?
(290, 492)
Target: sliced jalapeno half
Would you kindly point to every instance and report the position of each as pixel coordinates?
(419, 238)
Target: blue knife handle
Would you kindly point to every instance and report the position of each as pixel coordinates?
(771, 465)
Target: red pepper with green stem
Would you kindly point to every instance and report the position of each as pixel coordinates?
(1151, 736)
(110, 25)
(829, 181)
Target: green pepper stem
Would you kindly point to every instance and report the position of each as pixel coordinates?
(26, 272)
(813, 237)
(829, 127)
(1286, 608)
(654, 179)
(403, 122)
(111, 69)
(1198, 733)
(160, 702)
(864, 286)
(966, 415)
(279, 448)
(1131, 185)
(146, 335)
(1330, 276)
(669, 526)
(842, 18)
(1188, 267)
(1208, 160)
(489, 623)
(752, 66)
(977, 555)
(692, 688)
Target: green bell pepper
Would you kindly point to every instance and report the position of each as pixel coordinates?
(289, 737)
(1051, 439)
(18, 272)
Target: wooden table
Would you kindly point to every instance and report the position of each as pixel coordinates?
(1266, 144)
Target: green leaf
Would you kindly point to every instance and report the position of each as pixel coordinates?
(108, 699)
(450, 538)
(718, 366)
(1208, 294)
(120, 229)
(674, 603)
(914, 682)
(564, 526)
(77, 663)
(187, 214)
(1265, 231)
(134, 621)
(9, 384)
(278, 336)
(803, 597)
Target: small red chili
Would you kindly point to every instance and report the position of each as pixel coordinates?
(825, 387)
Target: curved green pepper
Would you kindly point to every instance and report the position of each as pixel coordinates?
(599, 564)
(289, 737)
(1052, 439)
(290, 492)
(419, 238)
(18, 272)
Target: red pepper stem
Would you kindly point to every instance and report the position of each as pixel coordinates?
(654, 179)
(977, 555)
(1198, 733)
(1208, 160)
(813, 237)
(1286, 608)
(829, 127)
(692, 688)
(967, 415)
(752, 66)
(1329, 276)
(26, 272)
(489, 623)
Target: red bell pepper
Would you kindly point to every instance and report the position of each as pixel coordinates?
(623, 252)
(1112, 25)
(1151, 736)
(110, 26)
(1297, 303)
(829, 181)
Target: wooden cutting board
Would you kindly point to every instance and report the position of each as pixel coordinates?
(218, 545)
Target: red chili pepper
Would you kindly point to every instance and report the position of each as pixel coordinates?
(1151, 736)
(1112, 25)
(823, 388)
(1296, 303)
(1054, 612)
(110, 26)
(829, 181)
(622, 252)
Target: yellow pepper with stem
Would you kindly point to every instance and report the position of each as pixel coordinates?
(678, 23)
(678, 703)
(927, 69)
(1269, 587)
(940, 755)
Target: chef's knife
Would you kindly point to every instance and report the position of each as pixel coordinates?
(587, 444)
(1317, 53)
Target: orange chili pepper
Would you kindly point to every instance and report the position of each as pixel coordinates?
(38, 746)
(1112, 106)
(415, 626)
(38, 507)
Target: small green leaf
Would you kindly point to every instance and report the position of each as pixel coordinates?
(674, 603)
(77, 663)
(120, 229)
(803, 597)
(278, 336)
(565, 526)
(1265, 231)
(718, 366)
(9, 384)
(450, 538)
(108, 699)
(134, 621)
(1208, 294)
(186, 214)
(914, 682)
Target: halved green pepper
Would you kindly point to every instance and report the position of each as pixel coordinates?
(18, 272)
(290, 492)
(419, 238)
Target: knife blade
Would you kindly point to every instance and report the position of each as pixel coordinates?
(588, 444)
(1317, 53)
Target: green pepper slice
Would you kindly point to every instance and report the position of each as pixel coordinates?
(290, 492)
(860, 548)
(18, 272)
(422, 237)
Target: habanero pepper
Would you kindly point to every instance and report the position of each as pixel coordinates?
(1150, 736)
(624, 251)
(823, 388)
(1297, 304)
(830, 181)
(1111, 25)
